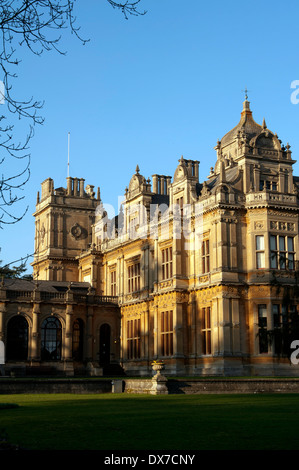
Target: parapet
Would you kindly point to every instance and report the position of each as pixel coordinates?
(74, 187)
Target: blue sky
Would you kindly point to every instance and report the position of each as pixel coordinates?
(149, 89)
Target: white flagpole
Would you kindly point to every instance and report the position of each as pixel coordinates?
(68, 156)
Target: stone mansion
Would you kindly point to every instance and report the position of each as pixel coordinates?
(184, 273)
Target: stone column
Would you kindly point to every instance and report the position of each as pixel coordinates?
(281, 180)
(122, 276)
(156, 332)
(214, 263)
(145, 268)
(236, 339)
(35, 352)
(2, 313)
(151, 268)
(222, 243)
(146, 332)
(177, 258)
(233, 244)
(68, 332)
(60, 230)
(256, 177)
(178, 330)
(118, 276)
(215, 327)
(224, 326)
(156, 265)
(51, 230)
(193, 323)
(89, 334)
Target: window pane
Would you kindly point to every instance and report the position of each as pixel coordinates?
(262, 309)
(282, 243)
(282, 261)
(260, 242)
(273, 261)
(275, 312)
(273, 245)
(290, 244)
(260, 260)
(262, 318)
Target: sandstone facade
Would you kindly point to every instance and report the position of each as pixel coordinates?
(184, 273)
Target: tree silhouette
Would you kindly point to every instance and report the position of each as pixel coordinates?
(29, 24)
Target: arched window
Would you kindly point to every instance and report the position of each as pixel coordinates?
(78, 340)
(17, 339)
(51, 339)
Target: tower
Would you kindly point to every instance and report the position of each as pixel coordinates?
(63, 220)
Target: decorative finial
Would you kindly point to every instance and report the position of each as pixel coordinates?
(246, 93)
(137, 169)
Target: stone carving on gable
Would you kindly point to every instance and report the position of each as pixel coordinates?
(181, 171)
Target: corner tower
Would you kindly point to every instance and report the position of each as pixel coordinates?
(63, 220)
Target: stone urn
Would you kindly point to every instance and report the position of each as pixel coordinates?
(158, 367)
(158, 380)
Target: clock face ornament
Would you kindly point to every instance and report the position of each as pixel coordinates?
(76, 231)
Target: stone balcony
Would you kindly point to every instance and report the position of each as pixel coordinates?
(25, 291)
(271, 198)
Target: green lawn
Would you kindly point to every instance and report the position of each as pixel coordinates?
(142, 422)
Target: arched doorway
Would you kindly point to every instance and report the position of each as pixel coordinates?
(78, 340)
(17, 339)
(105, 333)
(51, 335)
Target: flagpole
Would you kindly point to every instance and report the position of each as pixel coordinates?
(68, 156)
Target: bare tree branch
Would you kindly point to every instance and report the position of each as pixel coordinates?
(37, 25)
(127, 8)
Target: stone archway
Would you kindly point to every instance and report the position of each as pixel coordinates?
(17, 339)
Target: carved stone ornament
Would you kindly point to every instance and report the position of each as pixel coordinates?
(76, 231)
(42, 233)
(258, 225)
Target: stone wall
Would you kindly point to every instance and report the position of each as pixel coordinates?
(258, 385)
(197, 386)
(43, 385)
(144, 386)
